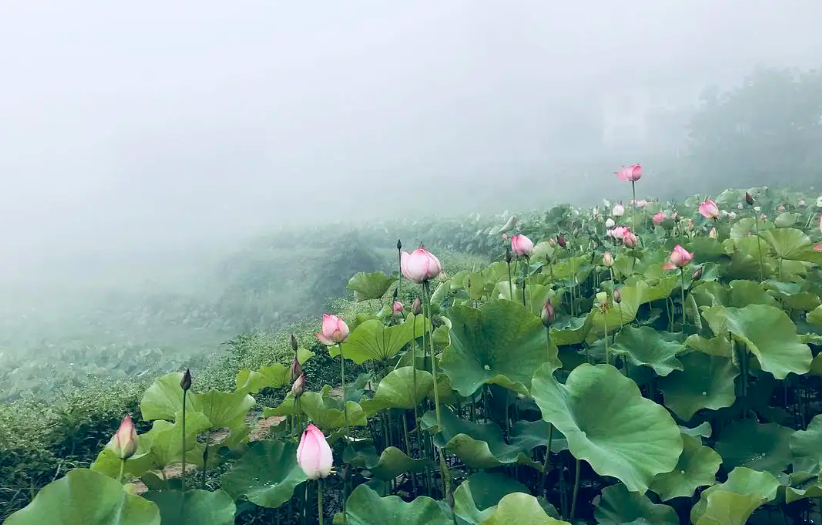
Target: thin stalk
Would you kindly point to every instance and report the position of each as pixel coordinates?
(446, 481)
(305, 505)
(547, 462)
(183, 475)
(682, 293)
(507, 420)
(510, 284)
(607, 350)
(759, 244)
(320, 500)
(576, 490)
(524, 277)
(122, 468)
(414, 378)
(205, 459)
(342, 378)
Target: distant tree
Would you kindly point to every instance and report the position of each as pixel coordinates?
(766, 131)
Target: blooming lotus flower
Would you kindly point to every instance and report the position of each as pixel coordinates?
(334, 330)
(610, 223)
(712, 233)
(630, 173)
(124, 442)
(659, 217)
(781, 207)
(314, 455)
(397, 307)
(618, 232)
(709, 210)
(629, 239)
(608, 259)
(420, 265)
(618, 211)
(522, 245)
(679, 258)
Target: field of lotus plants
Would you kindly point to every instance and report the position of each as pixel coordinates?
(640, 363)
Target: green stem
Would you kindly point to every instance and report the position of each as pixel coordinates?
(122, 468)
(633, 218)
(524, 276)
(320, 500)
(510, 284)
(607, 350)
(547, 462)
(682, 293)
(205, 459)
(446, 481)
(507, 419)
(183, 475)
(576, 490)
(759, 244)
(342, 378)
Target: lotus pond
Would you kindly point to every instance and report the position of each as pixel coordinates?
(627, 364)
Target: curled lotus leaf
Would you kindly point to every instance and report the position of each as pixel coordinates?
(697, 467)
(733, 501)
(521, 508)
(619, 505)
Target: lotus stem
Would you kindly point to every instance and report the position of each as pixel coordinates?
(510, 283)
(576, 490)
(607, 350)
(122, 468)
(759, 244)
(320, 500)
(446, 481)
(507, 418)
(183, 475)
(633, 210)
(342, 379)
(547, 462)
(205, 459)
(682, 294)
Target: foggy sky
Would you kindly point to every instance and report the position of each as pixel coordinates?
(156, 122)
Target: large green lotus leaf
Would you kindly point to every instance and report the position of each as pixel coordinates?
(84, 497)
(745, 227)
(500, 342)
(759, 446)
(732, 502)
(744, 263)
(806, 447)
(158, 448)
(815, 316)
(802, 485)
(266, 475)
(786, 219)
(195, 507)
(366, 507)
(571, 330)
(767, 332)
(372, 340)
(164, 398)
(749, 292)
(618, 505)
(273, 376)
(696, 468)
(711, 294)
(386, 466)
(787, 243)
(521, 508)
(535, 295)
(223, 409)
(717, 346)
(644, 346)
(369, 285)
(482, 446)
(396, 390)
(609, 424)
(327, 412)
(476, 498)
(706, 249)
(706, 381)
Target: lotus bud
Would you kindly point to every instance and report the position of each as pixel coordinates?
(399, 245)
(608, 259)
(314, 455)
(801, 203)
(561, 241)
(334, 330)
(602, 300)
(185, 383)
(629, 239)
(296, 369)
(396, 308)
(781, 207)
(420, 265)
(697, 274)
(617, 296)
(416, 306)
(679, 258)
(658, 218)
(548, 315)
(522, 246)
(610, 223)
(709, 209)
(712, 233)
(124, 442)
(618, 211)
(508, 255)
(294, 346)
(749, 199)
(630, 173)
(298, 387)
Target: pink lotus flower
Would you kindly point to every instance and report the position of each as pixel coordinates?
(712, 233)
(630, 173)
(124, 442)
(781, 207)
(420, 265)
(608, 259)
(618, 211)
(659, 217)
(314, 455)
(618, 232)
(397, 307)
(334, 330)
(709, 210)
(629, 239)
(641, 203)
(522, 245)
(679, 258)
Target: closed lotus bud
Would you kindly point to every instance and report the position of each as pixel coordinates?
(610, 223)
(397, 307)
(712, 233)
(124, 442)
(298, 387)
(608, 259)
(697, 274)
(314, 455)
(801, 203)
(561, 241)
(749, 199)
(294, 343)
(399, 244)
(548, 315)
(296, 369)
(416, 306)
(508, 255)
(617, 296)
(185, 383)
